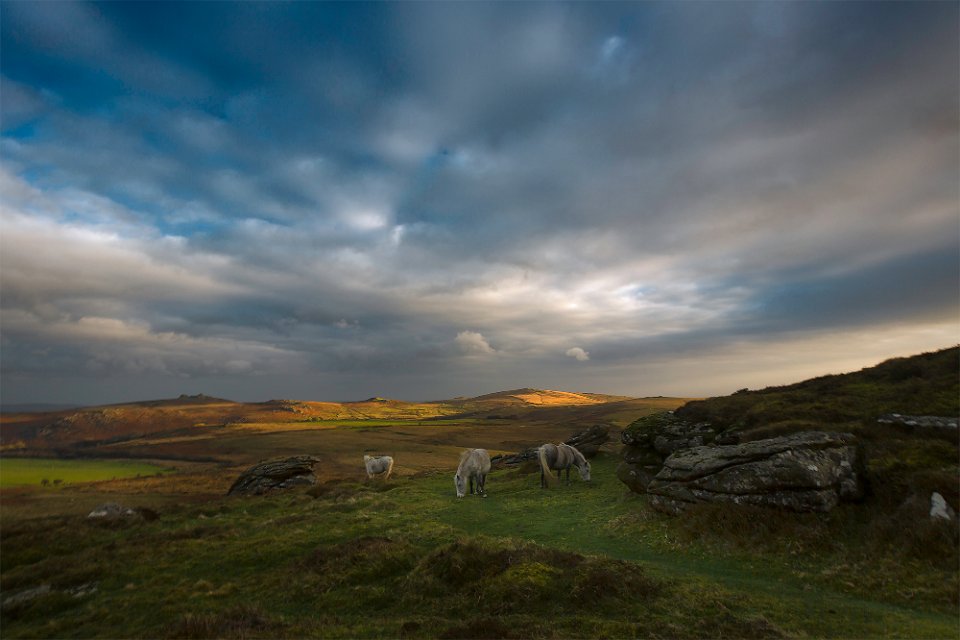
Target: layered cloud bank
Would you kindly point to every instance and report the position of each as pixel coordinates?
(344, 200)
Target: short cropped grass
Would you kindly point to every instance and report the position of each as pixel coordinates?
(33, 471)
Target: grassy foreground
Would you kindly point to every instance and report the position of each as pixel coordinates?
(405, 558)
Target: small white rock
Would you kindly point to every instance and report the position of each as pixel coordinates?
(939, 507)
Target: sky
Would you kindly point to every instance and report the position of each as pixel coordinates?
(419, 200)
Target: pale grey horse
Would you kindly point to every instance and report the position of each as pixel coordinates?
(557, 457)
(474, 466)
(378, 465)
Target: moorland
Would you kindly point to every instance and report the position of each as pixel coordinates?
(352, 557)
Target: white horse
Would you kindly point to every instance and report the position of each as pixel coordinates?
(557, 457)
(378, 465)
(474, 465)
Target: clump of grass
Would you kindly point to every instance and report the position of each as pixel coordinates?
(364, 559)
(58, 571)
(483, 628)
(729, 625)
(42, 607)
(606, 581)
(341, 489)
(472, 559)
(243, 621)
(505, 576)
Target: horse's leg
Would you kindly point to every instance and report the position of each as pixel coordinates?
(568, 475)
(471, 485)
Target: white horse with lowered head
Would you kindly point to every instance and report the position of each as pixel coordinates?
(474, 466)
(557, 457)
(378, 466)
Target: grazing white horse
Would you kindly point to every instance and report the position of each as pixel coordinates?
(378, 465)
(558, 457)
(474, 465)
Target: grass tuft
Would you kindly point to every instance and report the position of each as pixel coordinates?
(241, 622)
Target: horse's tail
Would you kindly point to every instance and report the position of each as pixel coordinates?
(545, 465)
(389, 467)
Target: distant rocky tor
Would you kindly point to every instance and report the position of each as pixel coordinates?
(680, 463)
(587, 442)
(285, 473)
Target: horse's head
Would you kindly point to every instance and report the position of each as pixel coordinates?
(584, 469)
(460, 484)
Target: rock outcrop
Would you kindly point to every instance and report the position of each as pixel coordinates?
(520, 457)
(271, 475)
(919, 422)
(809, 471)
(587, 442)
(651, 439)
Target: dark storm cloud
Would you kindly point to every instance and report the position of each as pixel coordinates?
(426, 195)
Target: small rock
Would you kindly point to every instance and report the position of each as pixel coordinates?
(82, 590)
(26, 595)
(111, 511)
(939, 509)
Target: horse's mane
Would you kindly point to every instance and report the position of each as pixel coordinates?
(463, 458)
(580, 458)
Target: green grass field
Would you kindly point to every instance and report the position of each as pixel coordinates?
(31, 471)
(406, 558)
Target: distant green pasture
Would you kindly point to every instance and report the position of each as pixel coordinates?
(21, 471)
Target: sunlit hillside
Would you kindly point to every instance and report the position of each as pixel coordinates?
(200, 428)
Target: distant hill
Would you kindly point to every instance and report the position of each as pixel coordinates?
(193, 416)
(542, 397)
